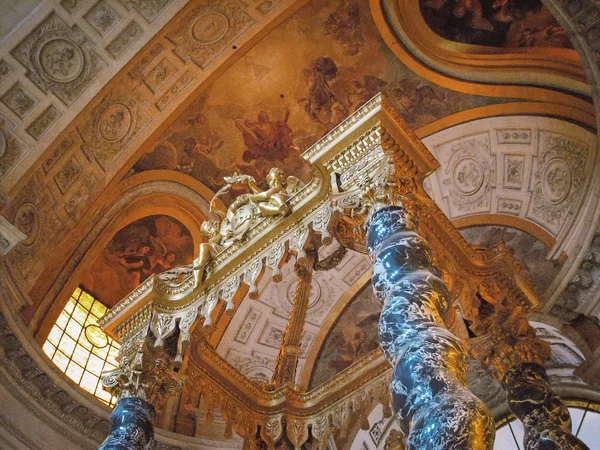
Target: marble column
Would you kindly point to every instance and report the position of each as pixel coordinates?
(142, 382)
(131, 425)
(545, 417)
(430, 363)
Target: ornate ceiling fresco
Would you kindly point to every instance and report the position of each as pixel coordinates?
(144, 247)
(120, 118)
(293, 87)
(504, 24)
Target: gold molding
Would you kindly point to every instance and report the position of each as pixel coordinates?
(509, 109)
(556, 62)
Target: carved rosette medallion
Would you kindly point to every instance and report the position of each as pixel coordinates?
(315, 292)
(59, 59)
(210, 28)
(560, 173)
(556, 180)
(114, 122)
(467, 175)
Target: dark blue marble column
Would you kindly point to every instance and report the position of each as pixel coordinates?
(131, 425)
(545, 417)
(430, 363)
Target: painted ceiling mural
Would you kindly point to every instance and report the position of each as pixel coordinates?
(293, 87)
(497, 23)
(354, 335)
(147, 246)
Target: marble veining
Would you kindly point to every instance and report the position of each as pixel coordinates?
(430, 363)
(131, 425)
(546, 420)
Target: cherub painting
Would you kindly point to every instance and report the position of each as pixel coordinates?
(145, 247)
(333, 94)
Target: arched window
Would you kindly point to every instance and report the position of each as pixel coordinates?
(586, 426)
(79, 347)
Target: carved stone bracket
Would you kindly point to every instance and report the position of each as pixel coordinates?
(9, 236)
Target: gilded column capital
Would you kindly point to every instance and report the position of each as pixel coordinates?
(145, 372)
(508, 342)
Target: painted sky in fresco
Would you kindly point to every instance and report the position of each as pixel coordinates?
(293, 87)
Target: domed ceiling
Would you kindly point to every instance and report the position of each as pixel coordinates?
(119, 120)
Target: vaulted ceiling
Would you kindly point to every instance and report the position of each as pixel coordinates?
(120, 118)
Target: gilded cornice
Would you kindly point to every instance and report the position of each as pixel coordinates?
(561, 67)
(331, 407)
(355, 155)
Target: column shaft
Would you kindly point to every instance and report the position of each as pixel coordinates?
(545, 417)
(131, 425)
(287, 360)
(430, 363)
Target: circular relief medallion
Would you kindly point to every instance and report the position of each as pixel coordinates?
(2, 144)
(315, 292)
(467, 175)
(556, 180)
(61, 60)
(210, 28)
(96, 336)
(115, 122)
(27, 220)
(242, 220)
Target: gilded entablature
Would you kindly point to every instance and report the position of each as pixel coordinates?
(368, 161)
